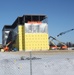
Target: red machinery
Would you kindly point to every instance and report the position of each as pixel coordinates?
(53, 46)
(63, 45)
(6, 48)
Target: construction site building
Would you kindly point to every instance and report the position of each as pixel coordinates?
(29, 33)
(5, 32)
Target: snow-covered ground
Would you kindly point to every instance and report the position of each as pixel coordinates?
(53, 64)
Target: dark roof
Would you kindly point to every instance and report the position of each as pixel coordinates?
(17, 22)
(34, 17)
(25, 19)
(7, 27)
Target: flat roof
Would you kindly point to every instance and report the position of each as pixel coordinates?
(34, 17)
(6, 27)
(26, 18)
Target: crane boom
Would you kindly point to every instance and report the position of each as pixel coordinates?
(64, 32)
(56, 40)
(63, 45)
(53, 46)
(53, 43)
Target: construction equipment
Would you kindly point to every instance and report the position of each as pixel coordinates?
(53, 46)
(64, 32)
(6, 47)
(63, 45)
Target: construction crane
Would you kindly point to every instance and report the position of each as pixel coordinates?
(63, 45)
(64, 32)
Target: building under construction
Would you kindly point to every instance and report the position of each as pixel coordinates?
(29, 32)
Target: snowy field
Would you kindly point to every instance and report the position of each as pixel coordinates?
(44, 64)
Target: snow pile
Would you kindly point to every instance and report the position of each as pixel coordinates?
(60, 64)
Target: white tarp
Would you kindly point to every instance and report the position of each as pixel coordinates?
(36, 28)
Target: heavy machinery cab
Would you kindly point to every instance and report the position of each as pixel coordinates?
(6, 47)
(53, 47)
(64, 47)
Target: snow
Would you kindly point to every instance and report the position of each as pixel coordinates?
(54, 64)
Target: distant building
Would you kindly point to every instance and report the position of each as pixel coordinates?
(29, 32)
